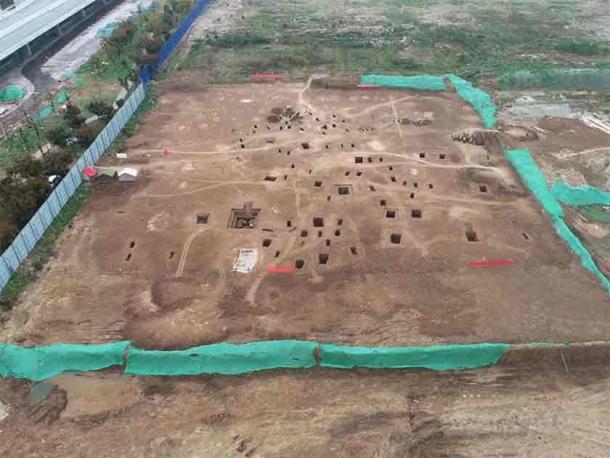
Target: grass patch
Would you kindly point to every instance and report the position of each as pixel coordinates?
(398, 36)
(34, 263)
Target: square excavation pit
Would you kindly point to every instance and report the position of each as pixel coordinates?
(546, 293)
(244, 218)
(344, 189)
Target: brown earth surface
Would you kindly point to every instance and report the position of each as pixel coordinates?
(136, 264)
(540, 403)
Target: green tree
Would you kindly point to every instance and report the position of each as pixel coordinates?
(73, 116)
(85, 135)
(152, 44)
(100, 108)
(21, 197)
(57, 162)
(26, 166)
(120, 39)
(59, 136)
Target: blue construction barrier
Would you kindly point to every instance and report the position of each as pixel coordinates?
(26, 240)
(148, 72)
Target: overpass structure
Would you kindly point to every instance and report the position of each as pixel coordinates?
(37, 24)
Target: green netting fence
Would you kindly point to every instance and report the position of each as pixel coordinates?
(435, 357)
(589, 78)
(417, 82)
(42, 363)
(233, 359)
(532, 176)
(576, 196)
(223, 358)
(12, 94)
(480, 100)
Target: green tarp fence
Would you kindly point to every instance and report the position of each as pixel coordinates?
(232, 359)
(12, 94)
(534, 180)
(579, 195)
(417, 82)
(436, 357)
(479, 99)
(42, 363)
(532, 176)
(223, 358)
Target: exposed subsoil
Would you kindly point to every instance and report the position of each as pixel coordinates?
(543, 407)
(377, 218)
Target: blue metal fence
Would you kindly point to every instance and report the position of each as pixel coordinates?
(148, 72)
(26, 240)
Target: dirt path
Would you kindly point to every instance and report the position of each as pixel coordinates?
(185, 252)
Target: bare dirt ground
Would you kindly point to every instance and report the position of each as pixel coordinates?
(570, 151)
(378, 219)
(538, 410)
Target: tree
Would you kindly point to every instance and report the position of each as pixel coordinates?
(121, 38)
(57, 162)
(8, 231)
(26, 166)
(100, 108)
(152, 44)
(20, 198)
(59, 136)
(85, 135)
(73, 116)
(145, 58)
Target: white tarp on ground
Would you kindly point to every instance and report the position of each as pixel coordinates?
(128, 174)
(246, 261)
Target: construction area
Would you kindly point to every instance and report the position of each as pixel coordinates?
(361, 195)
(323, 208)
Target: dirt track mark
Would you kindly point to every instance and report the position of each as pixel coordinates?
(397, 117)
(204, 188)
(185, 252)
(302, 92)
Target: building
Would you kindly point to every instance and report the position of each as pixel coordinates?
(30, 26)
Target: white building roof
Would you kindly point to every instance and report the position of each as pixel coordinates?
(27, 23)
(128, 171)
